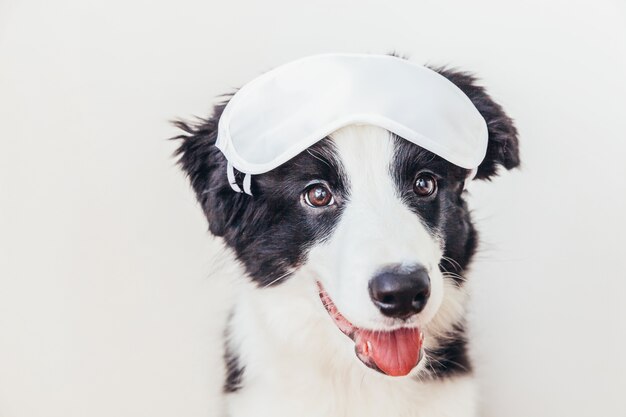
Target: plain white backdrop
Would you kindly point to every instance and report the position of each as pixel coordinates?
(109, 300)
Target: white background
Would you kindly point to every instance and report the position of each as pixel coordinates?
(107, 302)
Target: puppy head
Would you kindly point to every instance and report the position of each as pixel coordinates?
(378, 222)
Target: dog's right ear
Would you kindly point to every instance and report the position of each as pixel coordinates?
(503, 145)
(205, 165)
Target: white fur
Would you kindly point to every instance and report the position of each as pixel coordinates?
(297, 362)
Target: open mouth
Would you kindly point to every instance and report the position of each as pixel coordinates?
(394, 353)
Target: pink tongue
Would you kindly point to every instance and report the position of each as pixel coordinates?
(395, 353)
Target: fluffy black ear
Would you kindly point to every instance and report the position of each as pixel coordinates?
(205, 166)
(503, 146)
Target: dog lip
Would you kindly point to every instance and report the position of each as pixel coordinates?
(362, 348)
(342, 323)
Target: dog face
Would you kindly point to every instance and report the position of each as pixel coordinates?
(379, 223)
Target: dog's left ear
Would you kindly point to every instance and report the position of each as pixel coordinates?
(503, 146)
(205, 166)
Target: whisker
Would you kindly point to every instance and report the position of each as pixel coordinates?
(455, 276)
(454, 263)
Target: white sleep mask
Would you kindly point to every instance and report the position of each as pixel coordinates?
(284, 111)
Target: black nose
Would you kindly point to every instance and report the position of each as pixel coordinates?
(400, 294)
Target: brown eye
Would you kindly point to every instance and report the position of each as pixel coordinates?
(318, 195)
(425, 185)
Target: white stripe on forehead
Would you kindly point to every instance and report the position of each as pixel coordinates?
(366, 154)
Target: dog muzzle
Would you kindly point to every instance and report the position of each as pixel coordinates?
(281, 113)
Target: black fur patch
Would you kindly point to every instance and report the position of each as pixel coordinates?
(272, 230)
(234, 371)
(451, 357)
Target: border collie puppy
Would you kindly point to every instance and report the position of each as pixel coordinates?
(355, 254)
